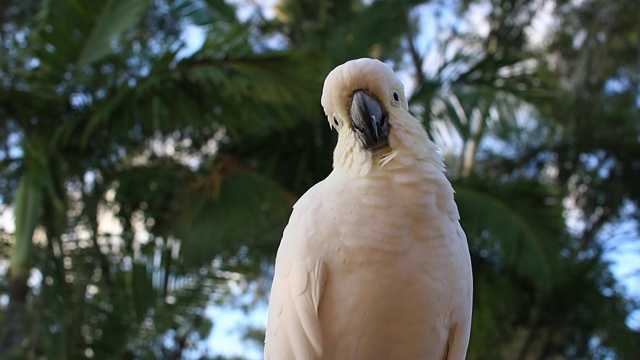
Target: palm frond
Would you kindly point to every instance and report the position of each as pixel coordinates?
(469, 108)
(114, 17)
(230, 210)
(73, 32)
(251, 94)
(28, 211)
(206, 12)
(358, 34)
(518, 226)
(214, 212)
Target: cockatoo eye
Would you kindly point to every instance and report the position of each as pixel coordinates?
(335, 121)
(396, 99)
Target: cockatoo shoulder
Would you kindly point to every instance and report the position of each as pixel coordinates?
(294, 329)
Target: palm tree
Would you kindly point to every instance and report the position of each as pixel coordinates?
(93, 83)
(497, 102)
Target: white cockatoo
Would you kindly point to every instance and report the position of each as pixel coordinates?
(373, 264)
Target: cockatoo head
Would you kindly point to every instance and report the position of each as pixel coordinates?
(365, 102)
(358, 97)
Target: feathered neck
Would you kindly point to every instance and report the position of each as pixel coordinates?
(409, 146)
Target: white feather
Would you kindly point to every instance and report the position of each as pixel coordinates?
(373, 263)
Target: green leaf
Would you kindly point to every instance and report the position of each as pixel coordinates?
(207, 12)
(469, 108)
(28, 211)
(517, 225)
(355, 31)
(113, 18)
(141, 290)
(241, 208)
(75, 32)
(255, 93)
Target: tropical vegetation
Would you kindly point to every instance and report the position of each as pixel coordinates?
(145, 178)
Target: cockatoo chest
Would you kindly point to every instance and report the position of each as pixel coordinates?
(392, 271)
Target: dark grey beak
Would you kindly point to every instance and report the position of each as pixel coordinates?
(369, 120)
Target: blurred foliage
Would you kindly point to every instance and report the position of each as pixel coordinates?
(95, 95)
(151, 178)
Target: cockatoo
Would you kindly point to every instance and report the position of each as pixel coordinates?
(373, 263)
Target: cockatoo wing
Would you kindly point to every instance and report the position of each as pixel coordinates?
(293, 329)
(459, 334)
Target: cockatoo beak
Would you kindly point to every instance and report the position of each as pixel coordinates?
(369, 120)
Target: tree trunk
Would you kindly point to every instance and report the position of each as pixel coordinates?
(28, 210)
(468, 158)
(15, 316)
(471, 146)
